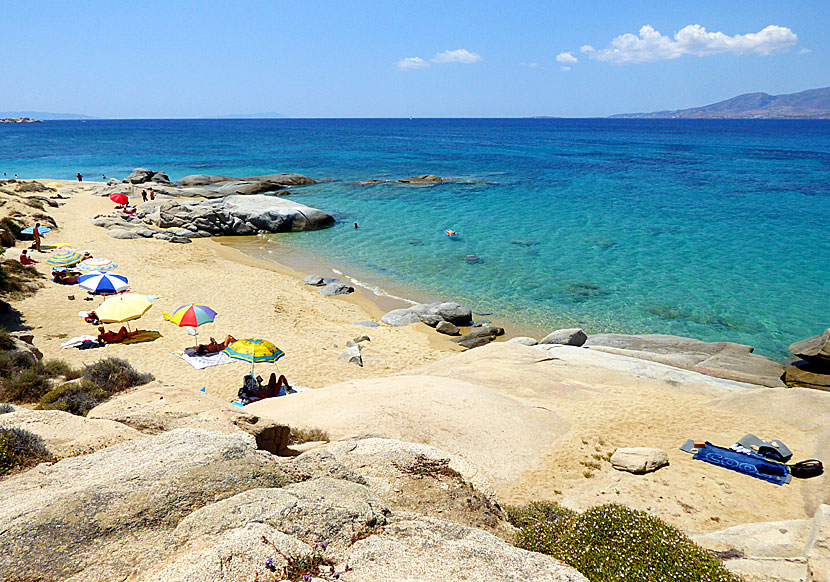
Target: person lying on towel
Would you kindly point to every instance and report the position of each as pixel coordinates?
(214, 346)
(113, 337)
(253, 390)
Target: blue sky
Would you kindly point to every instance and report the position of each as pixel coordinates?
(358, 59)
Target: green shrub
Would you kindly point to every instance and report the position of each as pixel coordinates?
(24, 379)
(114, 375)
(6, 340)
(6, 408)
(612, 543)
(76, 398)
(537, 512)
(20, 449)
(27, 385)
(16, 279)
(11, 225)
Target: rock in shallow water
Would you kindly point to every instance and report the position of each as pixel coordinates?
(815, 350)
(447, 328)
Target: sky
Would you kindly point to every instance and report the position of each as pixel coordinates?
(120, 59)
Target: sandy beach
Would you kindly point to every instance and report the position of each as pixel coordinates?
(253, 299)
(483, 405)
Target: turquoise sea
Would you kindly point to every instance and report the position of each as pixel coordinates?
(714, 229)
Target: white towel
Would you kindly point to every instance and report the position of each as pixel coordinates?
(201, 362)
(76, 341)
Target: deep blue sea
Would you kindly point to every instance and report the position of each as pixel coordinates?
(718, 230)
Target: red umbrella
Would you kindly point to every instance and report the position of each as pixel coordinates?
(119, 198)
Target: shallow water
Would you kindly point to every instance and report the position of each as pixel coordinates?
(711, 229)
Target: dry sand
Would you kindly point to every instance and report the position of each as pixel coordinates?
(253, 299)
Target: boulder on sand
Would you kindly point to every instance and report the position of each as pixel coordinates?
(567, 337)
(639, 459)
(447, 328)
(806, 375)
(399, 317)
(143, 176)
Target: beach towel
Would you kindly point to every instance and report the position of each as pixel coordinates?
(142, 336)
(76, 341)
(201, 362)
(749, 463)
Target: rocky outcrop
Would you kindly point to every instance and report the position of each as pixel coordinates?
(145, 176)
(67, 435)
(235, 215)
(720, 359)
(279, 180)
(424, 548)
(156, 408)
(447, 328)
(423, 180)
(817, 549)
(112, 511)
(567, 337)
(430, 313)
(815, 350)
(180, 220)
(413, 480)
(639, 459)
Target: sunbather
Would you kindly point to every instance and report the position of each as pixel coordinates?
(26, 259)
(65, 277)
(112, 337)
(253, 390)
(214, 346)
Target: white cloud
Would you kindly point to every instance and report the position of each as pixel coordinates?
(566, 59)
(650, 45)
(410, 63)
(805, 51)
(529, 65)
(457, 56)
(564, 68)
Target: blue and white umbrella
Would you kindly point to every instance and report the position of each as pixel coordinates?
(103, 283)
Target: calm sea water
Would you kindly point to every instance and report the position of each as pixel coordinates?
(718, 230)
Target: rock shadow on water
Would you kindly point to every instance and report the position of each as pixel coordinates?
(580, 291)
(675, 313)
(602, 242)
(524, 242)
(472, 259)
(415, 242)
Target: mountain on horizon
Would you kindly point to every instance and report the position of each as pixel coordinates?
(811, 104)
(45, 116)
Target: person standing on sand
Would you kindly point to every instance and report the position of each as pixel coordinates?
(79, 176)
(152, 194)
(144, 195)
(36, 235)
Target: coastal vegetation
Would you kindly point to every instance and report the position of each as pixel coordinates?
(20, 449)
(17, 281)
(614, 543)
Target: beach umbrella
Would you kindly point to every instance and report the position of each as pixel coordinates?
(40, 230)
(54, 185)
(191, 315)
(123, 308)
(65, 257)
(254, 350)
(99, 264)
(119, 198)
(103, 282)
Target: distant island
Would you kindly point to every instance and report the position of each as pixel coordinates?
(43, 115)
(812, 104)
(18, 120)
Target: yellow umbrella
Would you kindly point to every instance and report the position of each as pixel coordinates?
(123, 308)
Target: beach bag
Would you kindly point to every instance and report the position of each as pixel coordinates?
(806, 469)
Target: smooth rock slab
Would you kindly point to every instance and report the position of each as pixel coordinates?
(436, 550)
(67, 434)
(110, 509)
(318, 510)
(639, 459)
(566, 337)
(400, 317)
(523, 340)
(818, 546)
